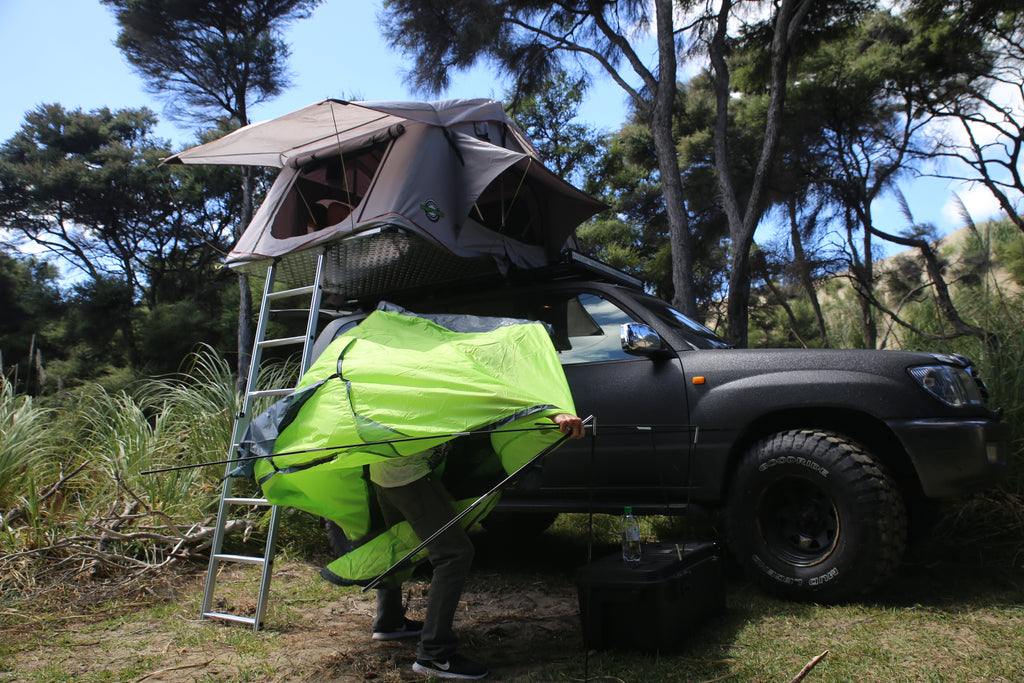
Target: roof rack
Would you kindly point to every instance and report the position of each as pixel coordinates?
(594, 267)
(388, 261)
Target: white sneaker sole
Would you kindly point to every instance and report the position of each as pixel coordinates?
(441, 673)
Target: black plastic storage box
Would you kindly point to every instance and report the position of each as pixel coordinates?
(651, 604)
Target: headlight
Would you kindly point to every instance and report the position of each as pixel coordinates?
(952, 385)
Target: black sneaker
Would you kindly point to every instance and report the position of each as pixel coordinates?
(408, 629)
(455, 666)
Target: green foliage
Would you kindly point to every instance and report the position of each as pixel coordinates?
(123, 441)
(773, 327)
(168, 333)
(79, 185)
(1008, 246)
(217, 57)
(26, 445)
(634, 234)
(85, 186)
(29, 301)
(102, 442)
(148, 424)
(548, 117)
(200, 406)
(101, 315)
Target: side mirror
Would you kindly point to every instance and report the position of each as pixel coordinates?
(641, 340)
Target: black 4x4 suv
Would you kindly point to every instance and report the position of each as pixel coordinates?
(814, 456)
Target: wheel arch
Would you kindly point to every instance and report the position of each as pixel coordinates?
(866, 429)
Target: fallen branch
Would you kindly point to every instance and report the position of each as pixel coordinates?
(110, 528)
(160, 672)
(19, 511)
(807, 667)
(120, 553)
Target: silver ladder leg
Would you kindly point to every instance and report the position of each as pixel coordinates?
(227, 499)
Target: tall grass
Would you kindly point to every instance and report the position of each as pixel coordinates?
(115, 514)
(123, 441)
(26, 444)
(199, 407)
(159, 423)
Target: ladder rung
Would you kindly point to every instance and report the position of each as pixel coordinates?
(284, 293)
(242, 559)
(230, 617)
(247, 501)
(281, 342)
(270, 392)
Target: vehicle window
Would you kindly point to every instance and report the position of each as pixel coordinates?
(696, 334)
(592, 327)
(585, 328)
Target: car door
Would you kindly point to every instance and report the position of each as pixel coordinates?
(641, 451)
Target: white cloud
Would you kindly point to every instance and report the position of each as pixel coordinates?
(978, 201)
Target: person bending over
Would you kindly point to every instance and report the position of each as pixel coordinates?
(408, 489)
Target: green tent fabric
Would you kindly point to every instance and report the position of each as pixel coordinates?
(411, 381)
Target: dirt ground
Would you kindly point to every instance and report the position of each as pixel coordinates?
(519, 615)
(516, 620)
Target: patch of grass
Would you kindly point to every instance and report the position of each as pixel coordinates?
(945, 616)
(50, 673)
(136, 667)
(7, 653)
(254, 672)
(762, 639)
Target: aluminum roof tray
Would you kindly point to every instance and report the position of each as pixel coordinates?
(375, 263)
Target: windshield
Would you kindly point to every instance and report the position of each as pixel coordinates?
(696, 334)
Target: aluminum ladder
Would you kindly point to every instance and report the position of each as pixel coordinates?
(227, 499)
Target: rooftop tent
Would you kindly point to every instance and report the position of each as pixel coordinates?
(456, 176)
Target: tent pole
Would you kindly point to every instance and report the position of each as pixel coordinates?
(345, 447)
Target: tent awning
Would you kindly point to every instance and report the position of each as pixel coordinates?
(336, 125)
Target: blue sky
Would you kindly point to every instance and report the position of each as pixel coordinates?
(62, 51)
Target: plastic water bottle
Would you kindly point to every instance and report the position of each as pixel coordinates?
(630, 529)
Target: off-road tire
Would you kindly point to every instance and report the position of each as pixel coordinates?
(812, 516)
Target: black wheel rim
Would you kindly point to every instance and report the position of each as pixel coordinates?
(799, 522)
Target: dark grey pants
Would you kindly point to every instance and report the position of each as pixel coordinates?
(427, 507)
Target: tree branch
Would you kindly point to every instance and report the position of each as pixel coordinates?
(564, 43)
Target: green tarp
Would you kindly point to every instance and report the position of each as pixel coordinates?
(411, 381)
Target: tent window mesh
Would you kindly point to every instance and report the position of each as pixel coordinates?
(509, 206)
(326, 192)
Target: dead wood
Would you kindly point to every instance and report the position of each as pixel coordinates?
(18, 512)
(807, 667)
(118, 547)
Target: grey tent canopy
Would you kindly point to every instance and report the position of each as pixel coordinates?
(458, 176)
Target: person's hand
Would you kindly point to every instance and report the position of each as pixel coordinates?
(569, 424)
